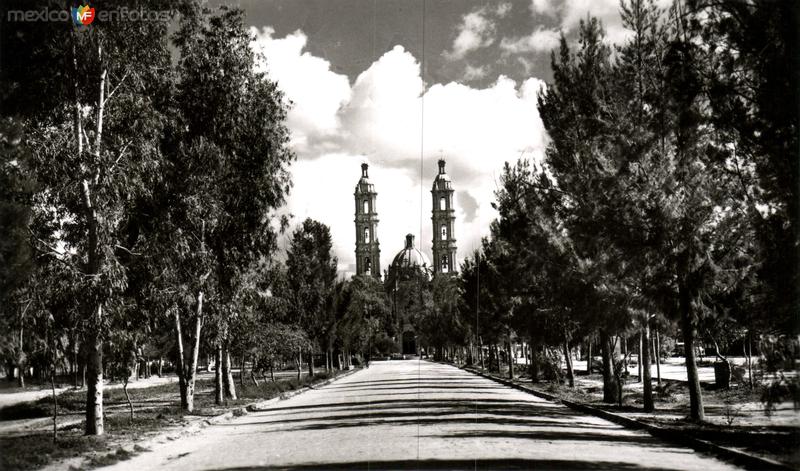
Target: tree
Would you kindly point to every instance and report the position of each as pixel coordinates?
(442, 326)
(229, 140)
(575, 111)
(366, 315)
(310, 276)
(95, 138)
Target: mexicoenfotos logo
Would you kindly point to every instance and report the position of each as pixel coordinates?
(83, 15)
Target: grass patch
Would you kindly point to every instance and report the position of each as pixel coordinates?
(26, 410)
(107, 459)
(35, 451)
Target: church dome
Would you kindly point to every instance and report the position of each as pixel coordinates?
(408, 261)
(410, 256)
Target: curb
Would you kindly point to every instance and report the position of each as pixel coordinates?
(739, 457)
(263, 405)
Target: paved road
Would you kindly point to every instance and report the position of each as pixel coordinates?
(418, 415)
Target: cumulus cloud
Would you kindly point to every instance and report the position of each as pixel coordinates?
(315, 91)
(389, 119)
(541, 40)
(571, 12)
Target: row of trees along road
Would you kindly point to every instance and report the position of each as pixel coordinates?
(668, 193)
(142, 166)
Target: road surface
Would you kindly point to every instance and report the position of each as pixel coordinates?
(418, 415)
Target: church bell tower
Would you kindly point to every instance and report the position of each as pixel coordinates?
(368, 252)
(444, 240)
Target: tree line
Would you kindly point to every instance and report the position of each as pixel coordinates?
(667, 198)
(143, 166)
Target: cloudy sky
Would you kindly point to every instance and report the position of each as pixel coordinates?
(399, 84)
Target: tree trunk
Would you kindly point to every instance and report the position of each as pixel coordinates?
(497, 358)
(623, 347)
(695, 393)
(160, 367)
(657, 352)
(534, 354)
(21, 359)
(21, 374)
(94, 391)
(610, 384)
(94, 373)
(589, 358)
(272, 371)
(242, 367)
(749, 355)
(639, 361)
(127, 396)
(55, 397)
(194, 355)
(299, 362)
(182, 383)
(219, 388)
(230, 386)
(253, 376)
(568, 359)
(644, 361)
(310, 364)
(526, 350)
(510, 362)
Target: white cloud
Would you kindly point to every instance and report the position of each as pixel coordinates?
(541, 40)
(316, 92)
(475, 31)
(475, 72)
(475, 129)
(607, 11)
(503, 9)
(543, 7)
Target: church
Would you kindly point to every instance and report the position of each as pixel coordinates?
(410, 263)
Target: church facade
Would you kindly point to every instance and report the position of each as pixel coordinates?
(443, 245)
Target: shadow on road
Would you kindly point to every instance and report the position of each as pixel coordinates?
(439, 465)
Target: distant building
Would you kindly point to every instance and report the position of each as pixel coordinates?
(442, 218)
(368, 250)
(410, 272)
